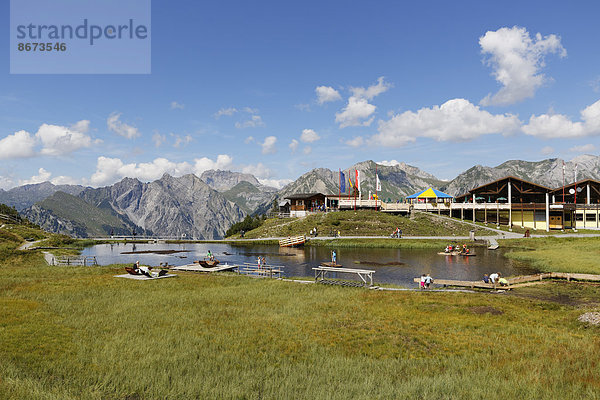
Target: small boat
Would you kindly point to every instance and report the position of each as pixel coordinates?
(467, 254)
(292, 241)
(207, 263)
(451, 253)
(331, 264)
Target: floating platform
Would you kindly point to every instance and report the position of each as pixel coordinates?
(199, 268)
(331, 264)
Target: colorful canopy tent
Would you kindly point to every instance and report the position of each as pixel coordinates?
(429, 195)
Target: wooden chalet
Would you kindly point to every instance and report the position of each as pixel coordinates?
(303, 203)
(582, 200)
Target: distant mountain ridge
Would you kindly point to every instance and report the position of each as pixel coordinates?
(25, 196)
(206, 207)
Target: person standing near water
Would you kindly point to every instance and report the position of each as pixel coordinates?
(428, 281)
(333, 257)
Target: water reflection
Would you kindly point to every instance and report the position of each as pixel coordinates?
(396, 266)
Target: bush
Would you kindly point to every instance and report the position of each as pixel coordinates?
(246, 225)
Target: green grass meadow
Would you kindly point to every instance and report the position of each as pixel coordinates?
(81, 333)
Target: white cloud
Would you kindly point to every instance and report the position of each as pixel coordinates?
(547, 150)
(250, 110)
(276, 183)
(358, 110)
(309, 136)
(307, 150)
(456, 119)
(249, 140)
(42, 176)
(6, 183)
(355, 113)
(595, 84)
(120, 128)
(110, 170)
(82, 126)
(372, 91)
(293, 145)
(59, 140)
(226, 111)
(64, 180)
(561, 126)
(158, 139)
(253, 122)
(179, 140)
(586, 148)
(356, 141)
(175, 105)
(18, 145)
(260, 171)
(326, 94)
(516, 60)
(268, 146)
(222, 162)
(391, 163)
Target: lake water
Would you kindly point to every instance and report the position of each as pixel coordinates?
(298, 262)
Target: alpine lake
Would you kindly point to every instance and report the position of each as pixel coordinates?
(392, 266)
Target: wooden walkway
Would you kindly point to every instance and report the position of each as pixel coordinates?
(199, 268)
(518, 281)
(363, 274)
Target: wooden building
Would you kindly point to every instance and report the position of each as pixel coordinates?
(303, 203)
(582, 199)
(510, 201)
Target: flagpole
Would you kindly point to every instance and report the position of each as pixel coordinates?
(563, 182)
(376, 178)
(339, 187)
(355, 188)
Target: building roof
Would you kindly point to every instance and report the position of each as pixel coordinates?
(572, 185)
(302, 196)
(506, 178)
(429, 193)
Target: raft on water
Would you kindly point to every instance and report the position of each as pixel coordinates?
(331, 264)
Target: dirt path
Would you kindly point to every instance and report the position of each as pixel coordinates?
(28, 245)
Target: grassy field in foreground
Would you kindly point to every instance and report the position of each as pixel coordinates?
(72, 333)
(579, 255)
(362, 223)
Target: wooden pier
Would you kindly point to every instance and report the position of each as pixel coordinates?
(74, 260)
(199, 268)
(518, 281)
(363, 274)
(264, 271)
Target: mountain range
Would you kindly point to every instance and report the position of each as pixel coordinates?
(205, 207)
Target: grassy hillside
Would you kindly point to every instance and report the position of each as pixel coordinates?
(94, 221)
(362, 223)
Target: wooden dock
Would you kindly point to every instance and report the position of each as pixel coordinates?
(264, 271)
(199, 268)
(292, 241)
(75, 260)
(363, 274)
(518, 281)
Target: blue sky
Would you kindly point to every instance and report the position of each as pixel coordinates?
(276, 89)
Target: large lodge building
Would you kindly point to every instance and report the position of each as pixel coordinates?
(508, 201)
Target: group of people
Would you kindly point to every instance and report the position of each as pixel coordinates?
(426, 281)
(313, 232)
(457, 248)
(495, 278)
(147, 271)
(397, 233)
(261, 262)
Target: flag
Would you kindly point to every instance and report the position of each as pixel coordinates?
(357, 180)
(377, 183)
(350, 185)
(342, 182)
